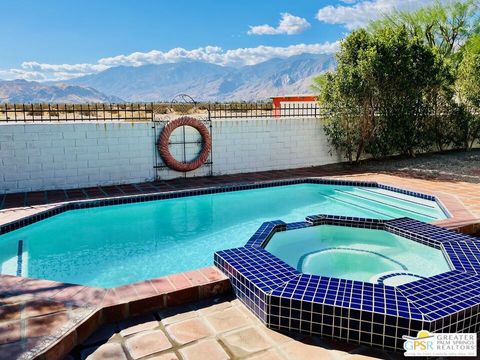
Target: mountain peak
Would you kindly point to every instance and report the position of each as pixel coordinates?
(23, 91)
(210, 82)
(201, 80)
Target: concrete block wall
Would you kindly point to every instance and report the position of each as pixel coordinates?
(71, 155)
(269, 144)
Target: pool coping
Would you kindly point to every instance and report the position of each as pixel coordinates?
(132, 299)
(378, 315)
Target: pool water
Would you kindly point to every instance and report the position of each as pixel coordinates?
(116, 245)
(357, 254)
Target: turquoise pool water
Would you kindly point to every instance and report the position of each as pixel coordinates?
(357, 254)
(115, 245)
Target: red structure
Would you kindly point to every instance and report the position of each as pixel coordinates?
(290, 101)
(278, 100)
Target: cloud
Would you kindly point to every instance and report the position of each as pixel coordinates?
(360, 13)
(32, 70)
(80, 68)
(216, 55)
(211, 54)
(289, 24)
(11, 74)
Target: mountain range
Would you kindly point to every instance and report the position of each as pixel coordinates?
(203, 81)
(22, 91)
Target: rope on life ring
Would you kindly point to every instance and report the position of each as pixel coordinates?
(164, 140)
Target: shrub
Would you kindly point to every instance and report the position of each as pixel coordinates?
(409, 84)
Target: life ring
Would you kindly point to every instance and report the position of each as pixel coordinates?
(164, 139)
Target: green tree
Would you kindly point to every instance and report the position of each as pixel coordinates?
(442, 26)
(408, 83)
(347, 97)
(377, 93)
(468, 90)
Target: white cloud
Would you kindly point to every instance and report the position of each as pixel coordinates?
(289, 24)
(80, 68)
(11, 74)
(251, 56)
(211, 54)
(32, 70)
(216, 55)
(360, 13)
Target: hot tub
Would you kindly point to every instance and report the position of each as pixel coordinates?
(369, 255)
(366, 281)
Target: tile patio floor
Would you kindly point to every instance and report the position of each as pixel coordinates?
(217, 329)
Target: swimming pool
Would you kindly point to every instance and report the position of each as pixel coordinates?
(108, 246)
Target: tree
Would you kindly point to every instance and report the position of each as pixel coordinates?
(444, 27)
(410, 82)
(377, 92)
(347, 97)
(342, 121)
(468, 90)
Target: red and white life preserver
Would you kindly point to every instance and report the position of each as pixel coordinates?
(164, 139)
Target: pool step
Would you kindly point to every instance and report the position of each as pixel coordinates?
(390, 195)
(349, 202)
(403, 206)
(393, 210)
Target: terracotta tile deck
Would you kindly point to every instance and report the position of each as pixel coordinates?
(46, 319)
(191, 332)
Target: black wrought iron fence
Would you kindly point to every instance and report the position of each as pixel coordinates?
(76, 112)
(160, 111)
(151, 111)
(263, 110)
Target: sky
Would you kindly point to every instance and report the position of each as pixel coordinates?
(61, 39)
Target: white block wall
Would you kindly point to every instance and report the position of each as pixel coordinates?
(71, 155)
(269, 144)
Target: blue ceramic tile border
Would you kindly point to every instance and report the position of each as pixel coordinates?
(373, 314)
(267, 229)
(254, 273)
(381, 279)
(85, 204)
(19, 257)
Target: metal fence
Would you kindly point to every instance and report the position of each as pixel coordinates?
(263, 110)
(160, 111)
(150, 111)
(76, 112)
